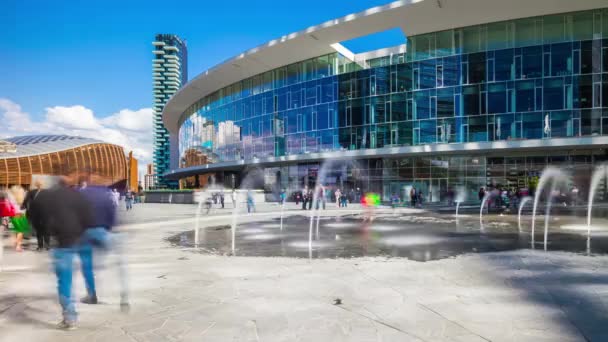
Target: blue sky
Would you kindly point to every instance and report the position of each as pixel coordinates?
(97, 54)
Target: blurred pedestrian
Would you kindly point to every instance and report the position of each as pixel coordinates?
(305, 198)
(16, 196)
(311, 198)
(115, 197)
(233, 198)
(297, 198)
(98, 235)
(66, 213)
(7, 212)
(413, 196)
(222, 199)
(481, 194)
(250, 202)
(29, 204)
(129, 200)
(338, 194)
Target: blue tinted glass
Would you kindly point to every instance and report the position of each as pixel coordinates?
(422, 105)
(497, 98)
(524, 92)
(503, 65)
(532, 62)
(561, 59)
(553, 93)
(428, 131)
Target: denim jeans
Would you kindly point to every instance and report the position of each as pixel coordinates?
(63, 259)
(129, 203)
(100, 238)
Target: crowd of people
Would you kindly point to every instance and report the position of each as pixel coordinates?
(71, 221)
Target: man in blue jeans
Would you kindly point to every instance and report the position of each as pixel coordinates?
(97, 235)
(64, 213)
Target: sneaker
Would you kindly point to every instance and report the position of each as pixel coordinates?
(66, 325)
(89, 300)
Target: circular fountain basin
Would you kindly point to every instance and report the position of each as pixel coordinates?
(416, 237)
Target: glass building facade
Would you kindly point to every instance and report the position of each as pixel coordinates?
(533, 78)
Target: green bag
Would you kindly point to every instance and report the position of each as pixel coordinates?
(20, 224)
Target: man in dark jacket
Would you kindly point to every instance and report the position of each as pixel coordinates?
(65, 213)
(29, 204)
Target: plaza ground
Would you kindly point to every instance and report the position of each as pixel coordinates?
(178, 294)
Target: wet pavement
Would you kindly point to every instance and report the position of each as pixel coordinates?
(415, 237)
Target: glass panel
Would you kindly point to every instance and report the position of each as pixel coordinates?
(471, 39)
(532, 62)
(524, 96)
(553, 29)
(553, 93)
(444, 42)
(497, 98)
(526, 32)
(497, 35)
(582, 25)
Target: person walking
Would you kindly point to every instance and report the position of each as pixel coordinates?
(338, 194)
(222, 199)
(297, 198)
(16, 197)
(129, 200)
(481, 194)
(250, 202)
(233, 198)
(98, 235)
(413, 197)
(29, 204)
(311, 198)
(66, 213)
(283, 196)
(7, 210)
(115, 197)
(304, 198)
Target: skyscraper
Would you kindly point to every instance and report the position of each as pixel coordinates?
(169, 73)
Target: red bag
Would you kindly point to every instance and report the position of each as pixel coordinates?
(7, 209)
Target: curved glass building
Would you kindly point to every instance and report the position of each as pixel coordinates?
(483, 94)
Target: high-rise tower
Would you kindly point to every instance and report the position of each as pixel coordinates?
(169, 73)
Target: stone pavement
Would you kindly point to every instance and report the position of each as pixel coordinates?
(181, 295)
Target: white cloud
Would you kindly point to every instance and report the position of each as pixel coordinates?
(13, 118)
(131, 129)
(138, 120)
(74, 117)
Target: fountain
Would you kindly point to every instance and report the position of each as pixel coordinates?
(550, 173)
(601, 172)
(282, 209)
(524, 200)
(235, 212)
(460, 197)
(248, 181)
(198, 214)
(485, 199)
(319, 187)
